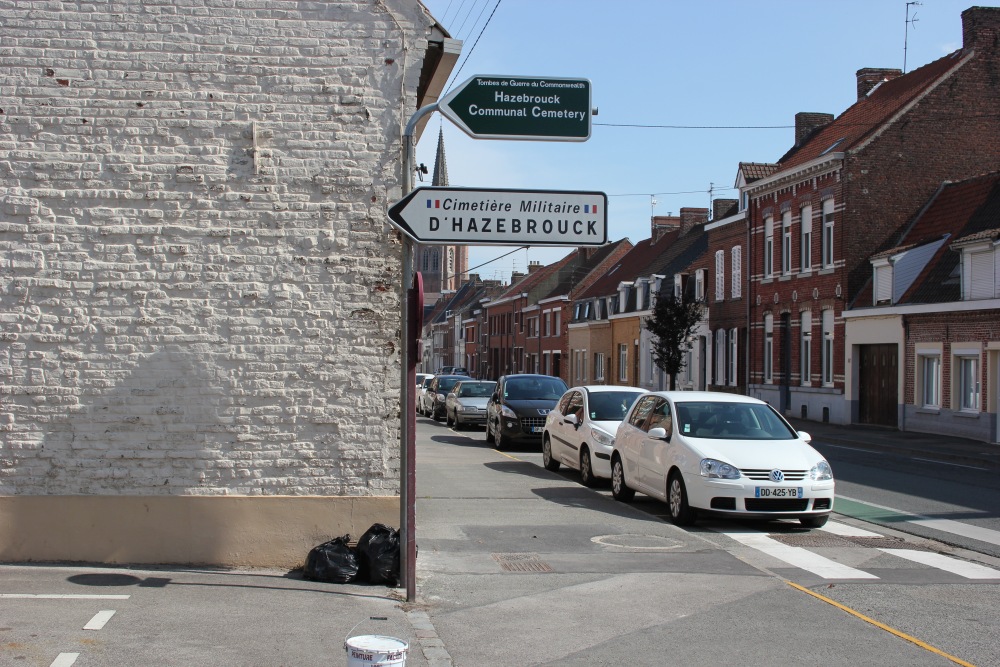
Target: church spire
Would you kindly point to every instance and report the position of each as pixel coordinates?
(440, 166)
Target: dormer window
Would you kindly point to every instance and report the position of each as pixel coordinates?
(883, 282)
(979, 273)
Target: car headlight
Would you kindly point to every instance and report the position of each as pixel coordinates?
(507, 412)
(718, 469)
(602, 437)
(821, 472)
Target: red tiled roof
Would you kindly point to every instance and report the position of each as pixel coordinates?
(632, 265)
(870, 113)
(532, 279)
(754, 171)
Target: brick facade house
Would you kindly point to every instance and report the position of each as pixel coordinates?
(847, 185)
(199, 293)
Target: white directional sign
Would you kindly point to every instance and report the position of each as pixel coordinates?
(459, 216)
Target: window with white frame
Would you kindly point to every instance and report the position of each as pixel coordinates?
(720, 357)
(967, 381)
(623, 362)
(805, 238)
(599, 366)
(805, 348)
(826, 242)
(548, 324)
(768, 247)
(720, 275)
(768, 348)
(733, 347)
(736, 286)
(678, 293)
(827, 369)
(699, 284)
(786, 242)
(558, 324)
(978, 274)
(929, 367)
(583, 365)
(652, 363)
(882, 294)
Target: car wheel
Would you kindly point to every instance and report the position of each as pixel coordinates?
(619, 489)
(547, 460)
(489, 433)
(458, 424)
(499, 441)
(447, 418)
(586, 468)
(681, 513)
(814, 521)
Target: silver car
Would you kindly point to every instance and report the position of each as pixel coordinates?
(466, 403)
(580, 432)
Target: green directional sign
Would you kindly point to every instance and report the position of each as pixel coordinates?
(515, 107)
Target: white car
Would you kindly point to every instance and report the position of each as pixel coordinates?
(580, 431)
(719, 453)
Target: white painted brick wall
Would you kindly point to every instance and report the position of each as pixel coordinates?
(198, 290)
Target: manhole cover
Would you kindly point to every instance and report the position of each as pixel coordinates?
(521, 563)
(637, 542)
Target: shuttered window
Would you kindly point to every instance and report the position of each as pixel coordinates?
(737, 266)
(981, 279)
(883, 284)
(720, 275)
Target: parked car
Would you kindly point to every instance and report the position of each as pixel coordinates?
(466, 403)
(423, 405)
(453, 370)
(580, 432)
(719, 453)
(517, 409)
(437, 393)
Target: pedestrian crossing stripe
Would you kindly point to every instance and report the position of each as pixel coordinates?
(827, 568)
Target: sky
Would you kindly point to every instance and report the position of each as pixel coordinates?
(685, 91)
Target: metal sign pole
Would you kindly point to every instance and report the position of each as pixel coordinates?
(408, 419)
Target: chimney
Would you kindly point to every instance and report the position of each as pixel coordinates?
(534, 266)
(981, 27)
(691, 217)
(807, 122)
(720, 207)
(869, 77)
(663, 224)
(515, 276)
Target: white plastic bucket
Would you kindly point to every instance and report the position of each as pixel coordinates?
(375, 650)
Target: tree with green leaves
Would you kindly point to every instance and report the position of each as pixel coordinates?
(672, 323)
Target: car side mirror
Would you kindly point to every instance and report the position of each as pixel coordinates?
(805, 436)
(659, 433)
(571, 419)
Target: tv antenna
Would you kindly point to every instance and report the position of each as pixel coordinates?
(909, 21)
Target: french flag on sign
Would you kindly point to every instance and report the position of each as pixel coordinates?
(433, 203)
(590, 208)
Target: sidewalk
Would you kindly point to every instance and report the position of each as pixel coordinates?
(961, 451)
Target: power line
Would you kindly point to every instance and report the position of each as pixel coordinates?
(454, 76)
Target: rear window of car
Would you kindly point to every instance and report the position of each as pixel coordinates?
(445, 384)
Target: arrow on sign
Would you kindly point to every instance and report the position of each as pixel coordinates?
(461, 216)
(512, 107)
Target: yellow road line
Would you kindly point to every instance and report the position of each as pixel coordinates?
(883, 626)
(514, 458)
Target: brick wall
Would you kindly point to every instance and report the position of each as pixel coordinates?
(198, 291)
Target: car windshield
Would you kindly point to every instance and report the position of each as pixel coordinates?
(445, 384)
(476, 389)
(731, 421)
(611, 406)
(535, 389)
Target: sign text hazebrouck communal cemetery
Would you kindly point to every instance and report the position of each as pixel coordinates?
(433, 215)
(512, 107)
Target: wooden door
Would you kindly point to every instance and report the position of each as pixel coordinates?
(878, 391)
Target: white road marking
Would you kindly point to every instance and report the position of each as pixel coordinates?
(944, 463)
(944, 525)
(955, 566)
(799, 557)
(64, 659)
(843, 530)
(49, 596)
(99, 620)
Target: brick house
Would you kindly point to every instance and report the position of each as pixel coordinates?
(726, 310)
(933, 302)
(199, 293)
(588, 335)
(846, 186)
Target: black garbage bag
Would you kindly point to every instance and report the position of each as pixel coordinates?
(332, 561)
(378, 555)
